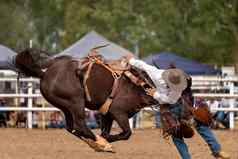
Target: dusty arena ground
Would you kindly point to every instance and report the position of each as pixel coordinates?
(144, 144)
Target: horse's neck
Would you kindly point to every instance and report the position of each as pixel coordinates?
(141, 97)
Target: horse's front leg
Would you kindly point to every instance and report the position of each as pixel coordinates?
(80, 128)
(123, 122)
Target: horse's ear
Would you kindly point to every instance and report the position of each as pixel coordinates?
(36, 55)
(25, 50)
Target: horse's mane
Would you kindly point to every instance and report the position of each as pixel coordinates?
(63, 57)
(142, 75)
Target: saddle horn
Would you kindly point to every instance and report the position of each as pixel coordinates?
(99, 47)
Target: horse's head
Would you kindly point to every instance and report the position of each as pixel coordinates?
(29, 61)
(36, 56)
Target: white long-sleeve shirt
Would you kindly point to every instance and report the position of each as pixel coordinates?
(163, 94)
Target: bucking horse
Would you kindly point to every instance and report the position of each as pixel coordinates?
(93, 83)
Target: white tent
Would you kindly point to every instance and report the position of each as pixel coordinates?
(91, 40)
(6, 58)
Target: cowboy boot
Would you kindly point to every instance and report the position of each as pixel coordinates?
(222, 155)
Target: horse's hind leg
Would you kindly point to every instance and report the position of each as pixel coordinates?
(123, 122)
(106, 124)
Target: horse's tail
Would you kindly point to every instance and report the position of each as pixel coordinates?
(28, 64)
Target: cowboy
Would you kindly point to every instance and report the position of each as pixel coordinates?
(169, 85)
(181, 85)
(201, 127)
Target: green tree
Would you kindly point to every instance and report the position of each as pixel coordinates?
(14, 25)
(204, 30)
(47, 17)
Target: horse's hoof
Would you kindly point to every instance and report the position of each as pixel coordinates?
(108, 148)
(103, 145)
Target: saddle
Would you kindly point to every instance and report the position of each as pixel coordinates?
(136, 76)
(117, 68)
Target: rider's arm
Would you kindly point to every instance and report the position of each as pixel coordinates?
(163, 98)
(141, 65)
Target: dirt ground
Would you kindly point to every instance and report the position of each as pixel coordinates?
(144, 144)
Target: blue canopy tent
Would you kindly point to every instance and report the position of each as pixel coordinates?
(191, 67)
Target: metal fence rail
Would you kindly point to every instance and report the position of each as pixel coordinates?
(205, 81)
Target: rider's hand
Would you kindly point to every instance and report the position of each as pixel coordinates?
(150, 91)
(93, 52)
(129, 56)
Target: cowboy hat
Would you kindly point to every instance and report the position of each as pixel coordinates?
(175, 79)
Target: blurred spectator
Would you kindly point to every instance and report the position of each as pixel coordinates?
(3, 114)
(56, 120)
(225, 103)
(157, 119)
(91, 119)
(21, 120)
(136, 120)
(213, 104)
(199, 101)
(12, 119)
(35, 118)
(220, 117)
(236, 106)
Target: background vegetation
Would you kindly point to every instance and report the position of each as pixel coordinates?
(204, 30)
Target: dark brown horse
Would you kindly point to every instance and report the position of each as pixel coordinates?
(62, 86)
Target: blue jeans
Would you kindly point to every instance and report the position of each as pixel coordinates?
(181, 147)
(202, 129)
(157, 120)
(206, 134)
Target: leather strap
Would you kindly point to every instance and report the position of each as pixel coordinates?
(91, 60)
(114, 88)
(105, 107)
(85, 82)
